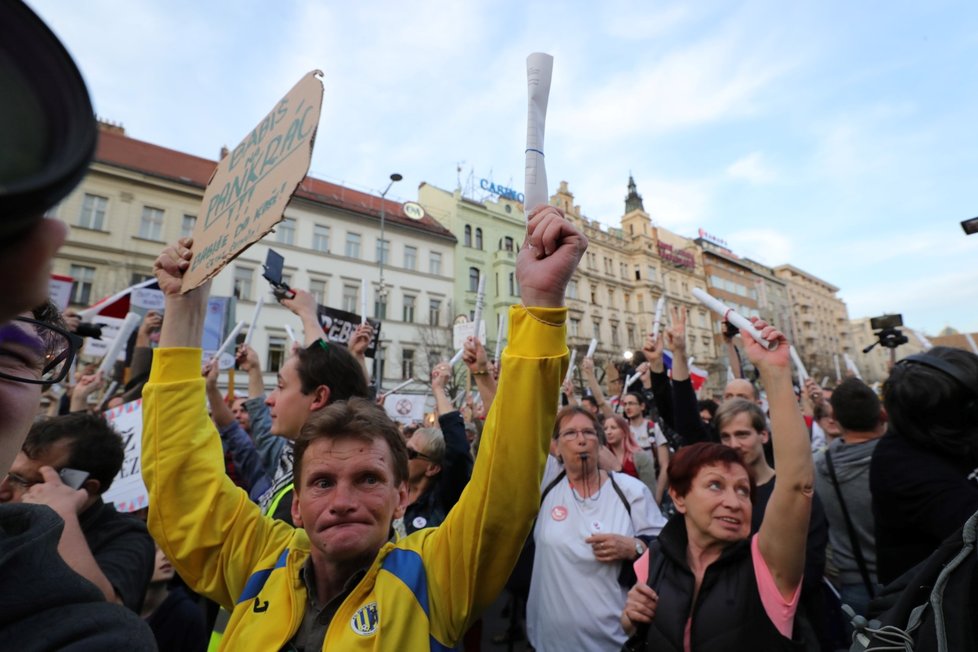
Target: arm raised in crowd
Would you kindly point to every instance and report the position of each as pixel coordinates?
(474, 357)
(657, 379)
(587, 370)
(86, 386)
(303, 305)
(686, 413)
(358, 344)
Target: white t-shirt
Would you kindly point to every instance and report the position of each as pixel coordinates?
(575, 600)
(641, 432)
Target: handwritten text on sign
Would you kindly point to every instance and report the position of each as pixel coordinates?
(248, 193)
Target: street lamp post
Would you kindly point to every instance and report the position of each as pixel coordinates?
(381, 288)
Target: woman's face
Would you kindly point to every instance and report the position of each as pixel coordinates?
(576, 436)
(612, 432)
(717, 507)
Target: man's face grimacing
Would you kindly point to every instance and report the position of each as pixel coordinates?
(739, 433)
(347, 498)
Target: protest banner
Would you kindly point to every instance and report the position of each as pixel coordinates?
(97, 348)
(247, 195)
(405, 408)
(128, 493)
(340, 324)
(465, 329)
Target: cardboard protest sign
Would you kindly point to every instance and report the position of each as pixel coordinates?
(340, 324)
(251, 186)
(128, 493)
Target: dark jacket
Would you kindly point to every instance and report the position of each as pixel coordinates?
(431, 507)
(728, 614)
(44, 605)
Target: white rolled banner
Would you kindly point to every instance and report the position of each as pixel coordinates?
(657, 322)
(229, 340)
(291, 333)
(570, 367)
(363, 301)
(802, 372)
(735, 318)
(500, 331)
(396, 388)
(456, 358)
(539, 71)
(480, 302)
(851, 366)
(631, 379)
(838, 370)
(129, 325)
(591, 348)
(254, 319)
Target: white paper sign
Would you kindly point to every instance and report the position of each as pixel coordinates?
(405, 408)
(98, 348)
(59, 289)
(467, 329)
(128, 493)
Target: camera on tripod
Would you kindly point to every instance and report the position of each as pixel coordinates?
(888, 333)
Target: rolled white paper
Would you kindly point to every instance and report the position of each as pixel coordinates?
(108, 393)
(838, 371)
(924, 341)
(631, 379)
(456, 358)
(825, 381)
(659, 305)
(363, 301)
(730, 375)
(288, 329)
(802, 372)
(500, 330)
(570, 367)
(592, 347)
(130, 324)
(229, 340)
(733, 317)
(539, 70)
(971, 343)
(254, 319)
(401, 386)
(480, 302)
(851, 366)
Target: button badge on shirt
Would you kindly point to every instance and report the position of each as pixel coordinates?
(558, 513)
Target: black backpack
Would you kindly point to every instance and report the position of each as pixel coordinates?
(933, 606)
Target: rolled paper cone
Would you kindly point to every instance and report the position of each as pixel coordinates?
(229, 339)
(456, 358)
(501, 325)
(657, 322)
(130, 324)
(592, 347)
(363, 301)
(802, 372)
(254, 319)
(838, 371)
(401, 386)
(733, 317)
(480, 302)
(570, 367)
(291, 333)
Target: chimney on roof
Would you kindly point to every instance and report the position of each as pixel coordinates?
(111, 127)
(224, 152)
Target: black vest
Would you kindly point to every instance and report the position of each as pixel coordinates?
(728, 615)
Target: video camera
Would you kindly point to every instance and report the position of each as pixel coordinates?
(274, 262)
(888, 333)
(89, 329)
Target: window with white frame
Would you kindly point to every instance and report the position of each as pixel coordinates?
(351, 293)
(407, 363)
(434, 263)
(83, 278)
(242, 282)
(408, 313)
(285, 231)
(383, 251)
(320, 238)
(187, 225)
(352, 245)
(93, 212)
(434, 312)
(151, 223)
(317, 288)
(410, 257)
(276, 353)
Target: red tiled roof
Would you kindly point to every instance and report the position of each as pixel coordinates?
(125, 152)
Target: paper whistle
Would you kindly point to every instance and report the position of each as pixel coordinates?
(733, 317)
(592, 347)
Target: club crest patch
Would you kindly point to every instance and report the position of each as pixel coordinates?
(365, 620)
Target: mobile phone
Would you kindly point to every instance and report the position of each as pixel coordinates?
(274, 262)
(73, 477)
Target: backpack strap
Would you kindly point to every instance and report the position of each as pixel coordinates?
(853, 540)
(621, 494)
(553, 483)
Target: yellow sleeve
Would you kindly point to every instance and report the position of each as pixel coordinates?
(212, 533)
(470, 556)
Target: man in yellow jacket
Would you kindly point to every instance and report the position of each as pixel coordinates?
(340, 582)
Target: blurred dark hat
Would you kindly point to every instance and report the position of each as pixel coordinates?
(47, 125)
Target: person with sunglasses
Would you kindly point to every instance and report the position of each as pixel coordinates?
(439, 463)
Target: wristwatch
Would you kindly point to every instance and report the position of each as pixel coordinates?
(639, 548)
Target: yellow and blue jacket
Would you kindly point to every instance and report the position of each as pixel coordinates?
(420, 593)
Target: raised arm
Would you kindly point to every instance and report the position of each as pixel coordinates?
(686, 415)
(358, 344)
(303, 305)
(658, 381)
(784, 530)
(587, 370)
(474, 357)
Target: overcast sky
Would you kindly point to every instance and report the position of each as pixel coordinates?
(839, 137)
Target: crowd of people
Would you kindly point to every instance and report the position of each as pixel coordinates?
(616, 516)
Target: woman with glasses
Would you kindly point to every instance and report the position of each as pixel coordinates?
(592, 524)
